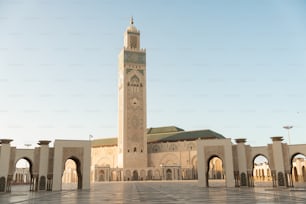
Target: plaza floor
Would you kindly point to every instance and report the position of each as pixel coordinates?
(158, 192)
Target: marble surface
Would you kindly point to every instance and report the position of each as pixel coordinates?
(157, 192)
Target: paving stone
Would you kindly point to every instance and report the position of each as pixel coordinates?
(157, 192)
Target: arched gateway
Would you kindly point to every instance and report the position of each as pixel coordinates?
(279, 164)
(46, 163)
(210, 149)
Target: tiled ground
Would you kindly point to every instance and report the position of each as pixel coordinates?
(159, 192)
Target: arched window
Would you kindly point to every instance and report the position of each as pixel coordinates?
(261, 171)
(134, 84)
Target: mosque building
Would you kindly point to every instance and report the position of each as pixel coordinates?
(171, 153)
(141, 153)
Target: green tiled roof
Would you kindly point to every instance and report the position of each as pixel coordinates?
(166, 134)
(183, 135)
(163, 130)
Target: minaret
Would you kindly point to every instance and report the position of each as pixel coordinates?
(132, 141)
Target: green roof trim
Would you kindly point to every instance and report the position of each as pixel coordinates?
(165, 134)
(166, 129)
(184, 135)
(104, 142)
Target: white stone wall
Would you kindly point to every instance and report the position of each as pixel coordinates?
(173, 156)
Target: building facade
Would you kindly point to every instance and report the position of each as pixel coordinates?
(132, 143)
(171, 153)
(141, 153)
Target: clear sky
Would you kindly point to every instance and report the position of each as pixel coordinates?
(235, 67)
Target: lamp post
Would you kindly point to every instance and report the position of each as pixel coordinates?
(288, 127)
(28, 145)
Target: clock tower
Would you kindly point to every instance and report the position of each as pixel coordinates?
(132, 141)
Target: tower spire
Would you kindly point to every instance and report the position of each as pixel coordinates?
(132, 140)
(132, 36)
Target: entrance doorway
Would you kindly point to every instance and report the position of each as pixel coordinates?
(135, 175)
(101, 175)
(298, 170)
(22, 178)
(261, 171)
(215, 174)
(72, 178)
(169, 174)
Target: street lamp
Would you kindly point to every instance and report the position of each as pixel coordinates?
(288, 127)
(28, 145)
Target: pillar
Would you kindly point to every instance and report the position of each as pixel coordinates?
(277, 150)
(229, 167)
(242, 161)
(43, 163)
(5, 155)
(202, 177)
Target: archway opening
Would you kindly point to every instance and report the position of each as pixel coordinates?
(150, 175)
(135, 175)
(114, 176)
(298, 170)
(102, 175)
(72, 177)
(261, 171)
(215, 173)
(22, 178)
(169, 174)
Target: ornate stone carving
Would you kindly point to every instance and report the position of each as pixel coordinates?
(134, 57)
(2, 184)
(243, 179)
(74, 153)
(214, 151)
(42, 183)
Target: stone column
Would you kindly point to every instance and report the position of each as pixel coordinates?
(5, 155)
(43, 163)
(229, 167)
(278, 158)
(242, 161)
(202, 166)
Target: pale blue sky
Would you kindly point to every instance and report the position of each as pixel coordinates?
(235, 67)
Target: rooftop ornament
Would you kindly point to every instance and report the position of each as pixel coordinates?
(5, 141)
(277, 138)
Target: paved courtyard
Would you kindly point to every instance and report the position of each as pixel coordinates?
(158, 192)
